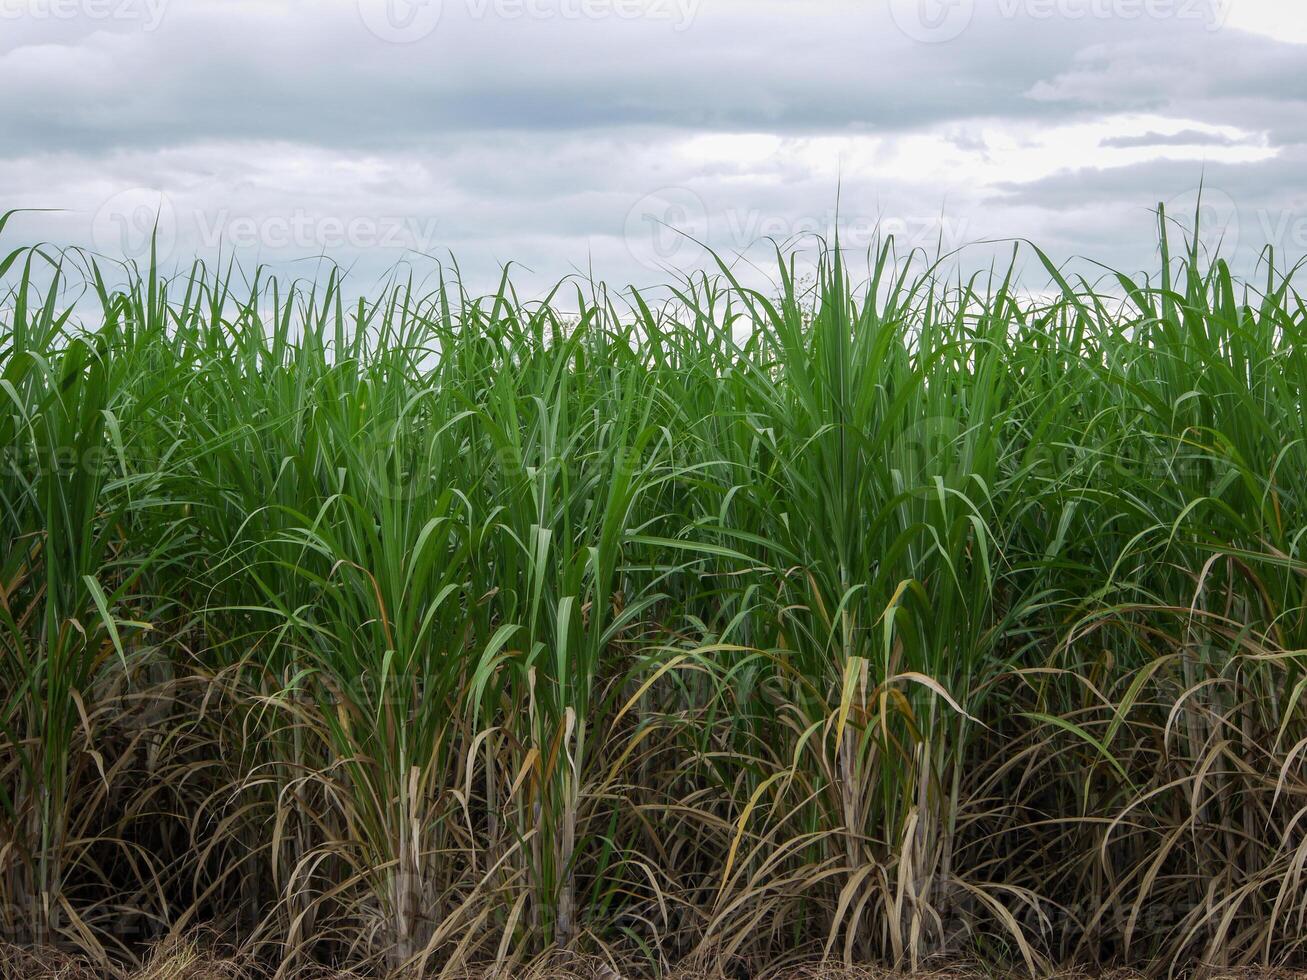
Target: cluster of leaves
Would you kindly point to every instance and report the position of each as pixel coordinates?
(870, 622)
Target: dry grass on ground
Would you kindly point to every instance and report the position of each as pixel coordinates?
(188, 961)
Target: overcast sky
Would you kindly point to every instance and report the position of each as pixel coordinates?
(568, 135)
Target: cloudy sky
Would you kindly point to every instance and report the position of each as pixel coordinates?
(579, 135)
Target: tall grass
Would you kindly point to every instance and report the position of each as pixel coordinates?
(872, 618)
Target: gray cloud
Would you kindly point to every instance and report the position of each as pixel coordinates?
(1186, 137)
(313, 72)
(559, 133)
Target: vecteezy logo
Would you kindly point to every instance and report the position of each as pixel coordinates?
(128, 224)
(932, 21)
(1217, 216)
(666, 228)
(400, 21)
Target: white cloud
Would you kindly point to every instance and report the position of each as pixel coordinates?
(1283, 20)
